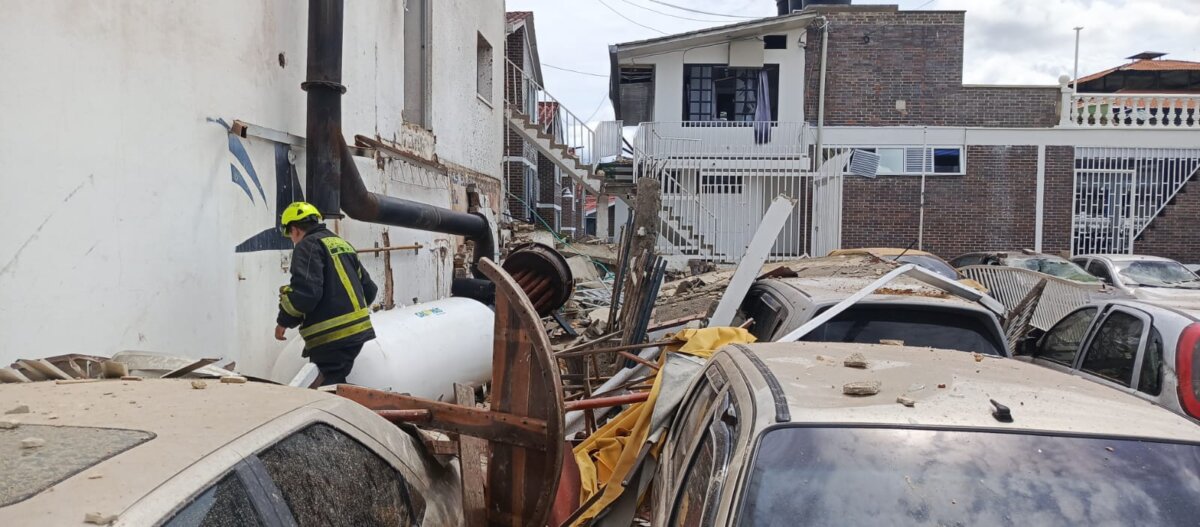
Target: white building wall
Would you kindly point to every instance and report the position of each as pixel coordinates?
(122, 213)
(668, 76)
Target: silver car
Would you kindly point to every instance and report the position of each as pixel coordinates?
(1145, 277)
(766, 435)
(1150, 350)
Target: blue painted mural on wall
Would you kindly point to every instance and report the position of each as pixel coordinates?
(287, 190)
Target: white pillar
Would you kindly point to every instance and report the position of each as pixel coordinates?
(1039, 215)
(602, 217)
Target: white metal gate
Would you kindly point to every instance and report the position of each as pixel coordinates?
(1119, 191)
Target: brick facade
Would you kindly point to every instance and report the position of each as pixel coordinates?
(1175, 233)
(879, 57)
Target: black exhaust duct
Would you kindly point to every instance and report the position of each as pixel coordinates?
(334, 184)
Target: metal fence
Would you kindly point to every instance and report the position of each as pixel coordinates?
(1009, 285)
(1119, 191)
(554, 122)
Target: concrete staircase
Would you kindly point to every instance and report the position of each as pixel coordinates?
(549, 145)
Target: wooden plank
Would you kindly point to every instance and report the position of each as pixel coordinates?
(521, 482)
(471, 456)
(492, 426)
(44, 368)
(751, 263)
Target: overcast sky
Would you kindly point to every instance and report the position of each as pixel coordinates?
(1007, 41)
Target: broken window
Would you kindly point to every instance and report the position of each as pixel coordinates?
(701, 486)
(719, 93)
(636, 88)
(775, 42)
(328, 478)
(1114, 349)
(224, 504)
(483, 68)
(906, 161)
(1062, 342)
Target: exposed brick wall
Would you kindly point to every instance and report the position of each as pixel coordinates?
(993, 206)
(1175, 234)
(548, 191)
(879, 56)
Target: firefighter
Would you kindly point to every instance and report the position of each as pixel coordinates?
(329, 296)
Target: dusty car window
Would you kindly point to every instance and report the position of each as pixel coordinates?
(225, 504)
(1157, 274)
(931, 264)
(705, 477)
(914, 326)
(25, 472)
(1052, 266)
(328, 478)
(1113, 350)
(1063, 340)
(1150, 378)
(859, 476)
(696, 411)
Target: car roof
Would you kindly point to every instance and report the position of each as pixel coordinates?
(1188, 308)
(1126, 257)
(187, 424)
(950, 389)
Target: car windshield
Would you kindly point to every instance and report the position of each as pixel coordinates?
(871, 476)
(912, 325)
(1053, 266)
(930, 263)
(1157, 274)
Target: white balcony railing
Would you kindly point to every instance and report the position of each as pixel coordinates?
(1119, 110)
(724, 138)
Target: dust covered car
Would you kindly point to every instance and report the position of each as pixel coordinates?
(1145, 277)
(179, 452)
(788, 434)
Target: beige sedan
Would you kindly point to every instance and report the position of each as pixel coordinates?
(182, 453)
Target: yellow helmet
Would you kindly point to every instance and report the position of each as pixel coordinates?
(295, 212)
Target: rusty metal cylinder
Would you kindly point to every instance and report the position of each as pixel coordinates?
(545, 276)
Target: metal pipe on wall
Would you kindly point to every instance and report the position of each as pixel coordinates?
(334, 183)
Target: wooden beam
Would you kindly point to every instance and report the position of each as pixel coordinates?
(500, 427)
(471, 456)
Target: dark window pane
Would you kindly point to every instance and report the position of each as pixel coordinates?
(1063, 340)
(1114, 348)
(1150, 378)
(947, 160)
(774, 41)
(226, 504)
(874, 476)
(328, 478)
(914, 326)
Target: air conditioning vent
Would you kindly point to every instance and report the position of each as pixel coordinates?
(864, 163)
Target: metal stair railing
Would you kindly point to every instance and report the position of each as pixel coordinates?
(553, 121)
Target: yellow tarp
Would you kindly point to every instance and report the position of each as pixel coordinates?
(606, 457)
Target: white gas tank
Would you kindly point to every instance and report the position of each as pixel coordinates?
(421, 350)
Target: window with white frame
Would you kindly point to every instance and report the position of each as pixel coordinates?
(483, 68)
(906, 160)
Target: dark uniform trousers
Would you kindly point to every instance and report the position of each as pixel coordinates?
(329, 298)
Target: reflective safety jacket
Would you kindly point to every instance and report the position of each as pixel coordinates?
(329, 297)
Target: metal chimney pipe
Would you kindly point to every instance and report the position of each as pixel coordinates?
(333, 181)
(325, 89)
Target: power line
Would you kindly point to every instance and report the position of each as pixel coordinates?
(703, 12)
(597, 110)
(574, 71)
(630, 20)
(672, 15)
